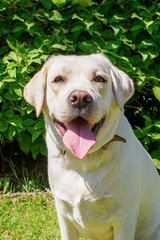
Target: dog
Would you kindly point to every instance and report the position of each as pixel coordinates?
(105, 184)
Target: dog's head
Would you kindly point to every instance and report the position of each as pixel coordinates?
(82, 96)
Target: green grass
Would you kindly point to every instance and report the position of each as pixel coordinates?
(27, 210)
(26, 183)
(28, 217)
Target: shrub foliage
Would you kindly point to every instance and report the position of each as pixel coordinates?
(126, 31)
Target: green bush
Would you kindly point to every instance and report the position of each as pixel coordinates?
(126, 31)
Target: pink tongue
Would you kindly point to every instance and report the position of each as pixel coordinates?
(79, 138)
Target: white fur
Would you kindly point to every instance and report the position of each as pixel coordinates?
(114, 192)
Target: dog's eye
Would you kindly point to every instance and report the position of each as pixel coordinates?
(99, 79)
(58, 79)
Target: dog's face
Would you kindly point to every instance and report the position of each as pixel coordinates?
(83, 96)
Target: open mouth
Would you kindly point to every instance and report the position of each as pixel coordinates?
(78, 135)
(62, 127)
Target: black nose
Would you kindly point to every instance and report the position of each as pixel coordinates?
(80, 99)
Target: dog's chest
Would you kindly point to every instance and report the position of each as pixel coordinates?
(87, 199)
(87, 204)
(92, 217)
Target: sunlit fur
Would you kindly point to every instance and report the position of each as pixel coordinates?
(113, 193)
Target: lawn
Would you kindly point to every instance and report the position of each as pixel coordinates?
(28, 216)
(27, 209)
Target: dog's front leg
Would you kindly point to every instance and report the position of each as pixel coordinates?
(67, 229)
(125, 230)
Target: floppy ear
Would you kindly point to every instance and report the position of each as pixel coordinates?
(34, 91)
(123, 87)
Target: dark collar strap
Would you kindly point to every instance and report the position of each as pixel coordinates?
(114, 139)
(118, 138)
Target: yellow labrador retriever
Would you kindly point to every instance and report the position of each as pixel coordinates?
(105, 184)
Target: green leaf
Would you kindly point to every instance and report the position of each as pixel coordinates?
(39, 125)
(58, 2)
(59, 46)
(156, 136)
(16, 17)
(139, 132)
(36, 134)
(12, 42)
(147, 118)
(3, 127)
(135, 15)
(111, 45)
(87, 47)
(9, 113)
(3, 50)
(157, 162)
(153, 54)
(12, 72)
(56, 17)
(19, 92)
(136, 27)
(146, 140)
(144, 55)
(157, 124)
(9, 79)
(75, 16)
(17, 29)
(148, 127)
(43, 148)
(148, 43)
(12, 132)
(156, 91)
(101, 17)
(47, 4)
(2, 7)
(12, 55)
(11, 96)
(15, 122)
(153, 78)
(4, 28)
(116, 29)
(148, 23)
(84, 3)
(25, 142)
(28, 122)
(77, 28)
